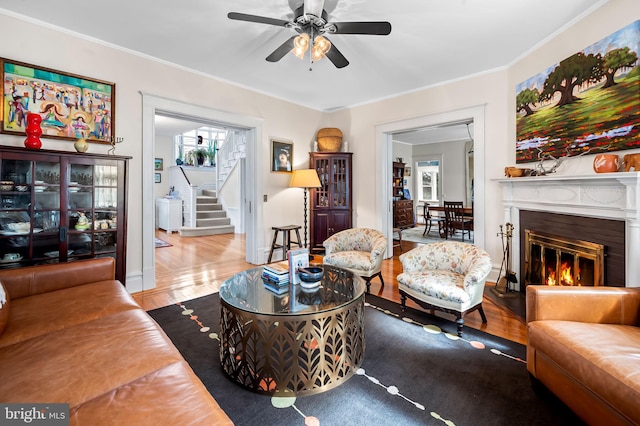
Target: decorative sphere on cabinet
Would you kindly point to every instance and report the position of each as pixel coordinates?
(81, 145)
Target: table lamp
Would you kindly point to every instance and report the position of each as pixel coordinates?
(306, 178)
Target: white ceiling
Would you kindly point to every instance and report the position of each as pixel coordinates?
(431, 41)
(172, 126)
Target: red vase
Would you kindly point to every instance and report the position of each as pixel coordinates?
(33, 131)
(606, 163)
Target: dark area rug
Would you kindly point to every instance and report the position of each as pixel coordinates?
(160, 243)
(415, 235)
(415, 372)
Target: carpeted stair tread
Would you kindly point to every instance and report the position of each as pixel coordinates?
(209, 222)
(206, 230)
(211, 214)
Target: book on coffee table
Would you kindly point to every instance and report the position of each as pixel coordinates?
(298, 258)
(277, 268)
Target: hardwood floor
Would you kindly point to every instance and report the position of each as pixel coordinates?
(197, 266)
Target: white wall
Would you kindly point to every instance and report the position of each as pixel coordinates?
(133, 74)
(200, 175)
(164, 150)
(453, 167)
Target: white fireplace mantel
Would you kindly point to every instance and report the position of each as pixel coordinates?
(614, 196)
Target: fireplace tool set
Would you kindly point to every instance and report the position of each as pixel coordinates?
(501, 289)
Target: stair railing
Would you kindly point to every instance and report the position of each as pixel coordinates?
(233, 149)
(187, 192)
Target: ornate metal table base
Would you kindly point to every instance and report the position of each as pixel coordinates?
(285, 355)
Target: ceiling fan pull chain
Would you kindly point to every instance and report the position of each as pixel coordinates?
(312, 42)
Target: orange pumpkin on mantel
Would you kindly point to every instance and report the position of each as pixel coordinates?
(606, 163)
(329, 139)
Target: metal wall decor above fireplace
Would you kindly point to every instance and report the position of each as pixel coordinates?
(554, 260)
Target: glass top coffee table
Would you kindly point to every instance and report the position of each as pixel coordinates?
(302, 342)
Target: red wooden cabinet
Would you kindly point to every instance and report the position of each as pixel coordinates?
(331, 204)
(59, 206)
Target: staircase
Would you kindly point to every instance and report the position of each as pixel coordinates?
(211, 219)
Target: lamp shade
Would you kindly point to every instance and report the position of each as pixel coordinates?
(306, 178)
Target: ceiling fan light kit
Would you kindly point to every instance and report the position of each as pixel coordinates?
(311, 23)
(301, 44)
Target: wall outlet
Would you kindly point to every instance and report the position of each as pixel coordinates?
(264, 198)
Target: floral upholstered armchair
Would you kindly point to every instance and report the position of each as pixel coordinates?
(359, 250)
(448, 276)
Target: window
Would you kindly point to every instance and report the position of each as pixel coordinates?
(428, 180)
(186, 143)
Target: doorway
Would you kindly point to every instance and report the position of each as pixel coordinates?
(384, 154)
(252, 204)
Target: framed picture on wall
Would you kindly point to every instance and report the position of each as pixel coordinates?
(407, 171)
(281, 156)
(158, 163)
(71, 106)
(157, 177)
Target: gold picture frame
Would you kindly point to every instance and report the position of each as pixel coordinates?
(71, 106)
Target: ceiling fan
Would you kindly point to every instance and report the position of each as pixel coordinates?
(312, 24)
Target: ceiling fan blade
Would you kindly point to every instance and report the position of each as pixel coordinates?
(368, 28)
(336, 57)
(279, 53)
(313, 7)
(258, 19)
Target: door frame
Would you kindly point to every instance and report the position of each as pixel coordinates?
(384, 153)
(252, 204)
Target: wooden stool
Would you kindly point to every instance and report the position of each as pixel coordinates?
(286, 239)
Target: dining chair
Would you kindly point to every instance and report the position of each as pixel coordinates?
(430, 220)
(455, 219)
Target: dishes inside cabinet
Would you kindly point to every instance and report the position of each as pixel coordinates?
(56, 253)
(11, 260)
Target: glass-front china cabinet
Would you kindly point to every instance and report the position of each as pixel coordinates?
(61, 206)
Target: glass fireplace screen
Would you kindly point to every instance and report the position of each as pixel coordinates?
(551, 260)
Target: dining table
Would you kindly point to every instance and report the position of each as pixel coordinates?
(466, 211)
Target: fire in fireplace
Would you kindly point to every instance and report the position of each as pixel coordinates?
(552, 260)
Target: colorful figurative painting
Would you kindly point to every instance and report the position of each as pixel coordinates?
(588, 103)
(71, 106)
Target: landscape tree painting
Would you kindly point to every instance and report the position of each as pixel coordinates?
(589, 102)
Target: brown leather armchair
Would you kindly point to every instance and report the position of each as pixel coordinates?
(583, 344)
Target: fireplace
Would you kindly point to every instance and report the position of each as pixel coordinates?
(600, 208)
(553, 260)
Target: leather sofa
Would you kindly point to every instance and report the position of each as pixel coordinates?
(583, 344)
(74, 335)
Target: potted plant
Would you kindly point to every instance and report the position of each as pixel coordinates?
(212, 147)
(200, 154)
